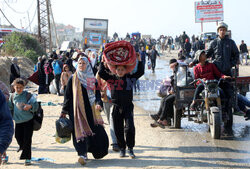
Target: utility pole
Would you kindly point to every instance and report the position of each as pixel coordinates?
(29, 20)
(49, 27)
(54, 25)
(44, 28)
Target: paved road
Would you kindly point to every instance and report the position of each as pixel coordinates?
(192, 145)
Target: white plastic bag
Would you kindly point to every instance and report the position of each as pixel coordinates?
(149, 64)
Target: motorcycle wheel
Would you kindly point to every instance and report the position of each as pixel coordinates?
(177, 118)
(215, 125)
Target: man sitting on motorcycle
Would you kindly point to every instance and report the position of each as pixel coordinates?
(206, 71)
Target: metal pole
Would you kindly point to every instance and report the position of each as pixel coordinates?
(201, 26)
(21, 23)
(49, 26)
(39, 21)
(57, 41)
(29, 20)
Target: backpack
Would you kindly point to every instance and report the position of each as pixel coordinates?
(37, 116)
(57, 68)
(47, 68)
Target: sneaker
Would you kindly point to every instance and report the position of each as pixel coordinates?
(154, 116)
(82, 160)
(122, 152)
(131, 153)
(27, 162)
(115, 147)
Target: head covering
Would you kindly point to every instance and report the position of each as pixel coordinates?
(39, 58)
(172, 61)
(198, 54)
(14, 60)
(186, 40)
(87, 79)
(222, 25)
(44, 57)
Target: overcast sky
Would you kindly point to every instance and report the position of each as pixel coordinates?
(155, 17)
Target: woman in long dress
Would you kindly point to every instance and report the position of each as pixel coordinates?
(82, 104)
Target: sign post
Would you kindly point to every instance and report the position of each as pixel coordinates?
(209, 11)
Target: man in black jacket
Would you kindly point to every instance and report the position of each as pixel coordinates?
(153, 56)
(243, 51)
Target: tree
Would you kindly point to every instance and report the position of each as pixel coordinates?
(22, 44)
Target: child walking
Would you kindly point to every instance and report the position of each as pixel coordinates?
(122, 109)
(22, 104)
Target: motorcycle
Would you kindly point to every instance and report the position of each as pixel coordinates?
(210, 109)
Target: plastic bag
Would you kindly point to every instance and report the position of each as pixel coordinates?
(164, 88)
(149, 64)
(64, 127)
(62, 140)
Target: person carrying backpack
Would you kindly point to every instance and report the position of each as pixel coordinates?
(57, 70)
(22, 107)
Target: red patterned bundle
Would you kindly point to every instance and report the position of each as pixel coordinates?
(120, 53)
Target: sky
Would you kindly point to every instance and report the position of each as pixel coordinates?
(154, 17)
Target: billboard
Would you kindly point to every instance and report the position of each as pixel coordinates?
(95, 24)
(209, 11)
(95, 38)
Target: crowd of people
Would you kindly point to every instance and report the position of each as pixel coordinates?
(89, 85)
(221, 67)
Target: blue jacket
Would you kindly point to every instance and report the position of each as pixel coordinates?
(6, 124)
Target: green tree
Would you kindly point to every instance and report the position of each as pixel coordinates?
(22, 44)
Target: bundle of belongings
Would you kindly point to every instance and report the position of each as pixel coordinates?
(64, 128)
(120, 53)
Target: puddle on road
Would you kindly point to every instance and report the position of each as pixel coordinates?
(150, 102)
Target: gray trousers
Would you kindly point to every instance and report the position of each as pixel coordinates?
(107, 110)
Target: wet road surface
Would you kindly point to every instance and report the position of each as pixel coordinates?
(193, 143)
